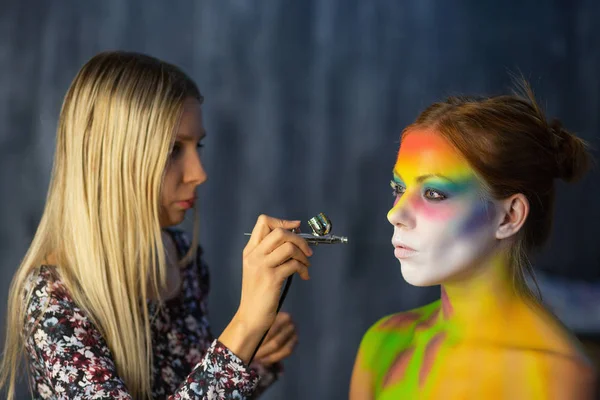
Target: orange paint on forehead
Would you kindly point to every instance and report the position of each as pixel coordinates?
(424, 152)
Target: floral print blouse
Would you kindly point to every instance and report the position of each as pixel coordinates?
(69, 359)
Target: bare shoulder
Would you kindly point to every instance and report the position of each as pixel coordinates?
(394, 332)
(544, 332)
(552, 358)
(574, 377)
(383, 340)
(546, 375)
(494, 372)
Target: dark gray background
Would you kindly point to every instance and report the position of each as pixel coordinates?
(305, 101)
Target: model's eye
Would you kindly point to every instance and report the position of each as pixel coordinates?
(434, 195)
(397, 189)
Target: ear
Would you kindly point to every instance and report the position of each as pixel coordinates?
(513, 213)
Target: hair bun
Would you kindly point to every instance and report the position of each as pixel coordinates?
(572, 158)
(559, 133)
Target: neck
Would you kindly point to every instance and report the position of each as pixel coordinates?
(172, 285)
(481, 300)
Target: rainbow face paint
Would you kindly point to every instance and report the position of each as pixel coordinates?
(480, 340)
(442, 223)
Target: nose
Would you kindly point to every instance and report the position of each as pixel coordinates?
(194, 172)
(401, 214)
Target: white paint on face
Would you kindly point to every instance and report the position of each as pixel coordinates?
(443, 227)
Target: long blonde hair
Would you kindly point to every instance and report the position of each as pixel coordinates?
(101, 219)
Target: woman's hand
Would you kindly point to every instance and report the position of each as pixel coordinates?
(272, 254)
(279, 342)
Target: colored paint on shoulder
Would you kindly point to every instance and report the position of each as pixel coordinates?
(399, 321)
(429, 357)
(398, 368)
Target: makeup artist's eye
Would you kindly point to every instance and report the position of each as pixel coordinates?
(176, 150)
(397, 189)
(199, 147)
(434, 195)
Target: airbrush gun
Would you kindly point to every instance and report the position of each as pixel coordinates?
(321, 227)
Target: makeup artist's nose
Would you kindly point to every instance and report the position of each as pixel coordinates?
(194, 172)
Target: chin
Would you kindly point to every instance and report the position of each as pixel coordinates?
(172, 220)
(416, 277)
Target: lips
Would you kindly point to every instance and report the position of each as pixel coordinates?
(398, 243)
(189, 203)
(402, 251)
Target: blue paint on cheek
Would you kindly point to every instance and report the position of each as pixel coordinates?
(482, 215)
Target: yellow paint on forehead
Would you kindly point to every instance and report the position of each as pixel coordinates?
(424, 152)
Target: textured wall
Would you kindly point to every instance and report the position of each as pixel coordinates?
(304, 104)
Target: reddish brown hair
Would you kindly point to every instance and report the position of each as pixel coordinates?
(514, 149)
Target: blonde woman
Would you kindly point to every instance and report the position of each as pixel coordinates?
(109, 301)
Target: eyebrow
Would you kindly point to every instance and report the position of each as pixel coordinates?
(186, 137)
(427, 176)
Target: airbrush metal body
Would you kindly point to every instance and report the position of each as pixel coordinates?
(316, 240)
(321, 226)
(325, 239)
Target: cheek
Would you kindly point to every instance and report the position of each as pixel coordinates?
(434, 212)
(441, 211)
(456, 220)
(478, 219)
(464, 217)
(169, 185)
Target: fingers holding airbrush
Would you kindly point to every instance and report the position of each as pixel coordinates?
(280, 236)
(264, 226)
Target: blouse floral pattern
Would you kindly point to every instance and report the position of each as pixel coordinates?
(69, 359)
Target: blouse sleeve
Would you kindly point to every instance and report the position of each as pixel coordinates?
(267, 375)
(70, 359)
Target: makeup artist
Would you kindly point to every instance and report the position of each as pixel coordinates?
(110, 302)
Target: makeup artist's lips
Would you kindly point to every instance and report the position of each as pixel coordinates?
(402, 251)
(186, 204)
